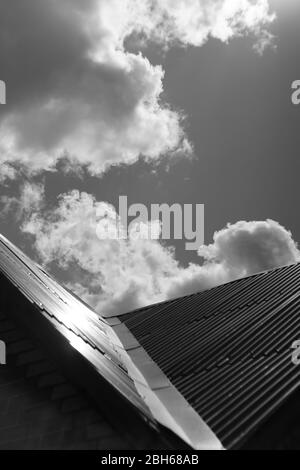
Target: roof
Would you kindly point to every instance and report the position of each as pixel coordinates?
(109, 349)
(42, 407)
(82, 327)
(210, 367)
(227, 350)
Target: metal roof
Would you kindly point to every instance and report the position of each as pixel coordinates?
(211, 367)
(227, 350)
(109, 347)
(83, 328)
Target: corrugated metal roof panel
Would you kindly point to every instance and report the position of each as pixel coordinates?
(228, 349)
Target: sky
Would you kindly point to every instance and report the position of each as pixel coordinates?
(176, 102)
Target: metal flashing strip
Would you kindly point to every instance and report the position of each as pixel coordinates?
(167, 405)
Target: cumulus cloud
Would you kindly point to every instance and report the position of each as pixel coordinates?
(30, 200)
(7, 173)
(239, 250)
(112, 274)
(119, 275)
(192, 22)
(254, 246)
(74, 87)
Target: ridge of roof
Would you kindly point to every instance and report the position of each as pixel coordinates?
(110, 347)
(197, 293)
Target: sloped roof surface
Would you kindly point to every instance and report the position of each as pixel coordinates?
(228, 350)
(210, 366)
(110, 349)
(80, 325)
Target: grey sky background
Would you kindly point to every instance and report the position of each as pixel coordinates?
(239, 118)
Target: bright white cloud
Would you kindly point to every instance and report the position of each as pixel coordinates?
(119, 275)
(239, 250)
(254, 246)
(87, 94)
(113, 274)
(193, 22)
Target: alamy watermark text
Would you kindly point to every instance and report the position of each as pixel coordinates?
(178, 222)
(2, 92)
(296, 353)
(2, 353)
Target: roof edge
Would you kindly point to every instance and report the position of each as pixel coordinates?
(165, 402)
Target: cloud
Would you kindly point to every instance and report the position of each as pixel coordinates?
(73, 86)
(119, 275)
(254, 246)
(7, 173)
(239, 250)
(111, 274)
(193, 22)
(30, 200)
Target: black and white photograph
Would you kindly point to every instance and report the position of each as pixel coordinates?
(149, 228)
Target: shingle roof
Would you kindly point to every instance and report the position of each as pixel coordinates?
(228, 349)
